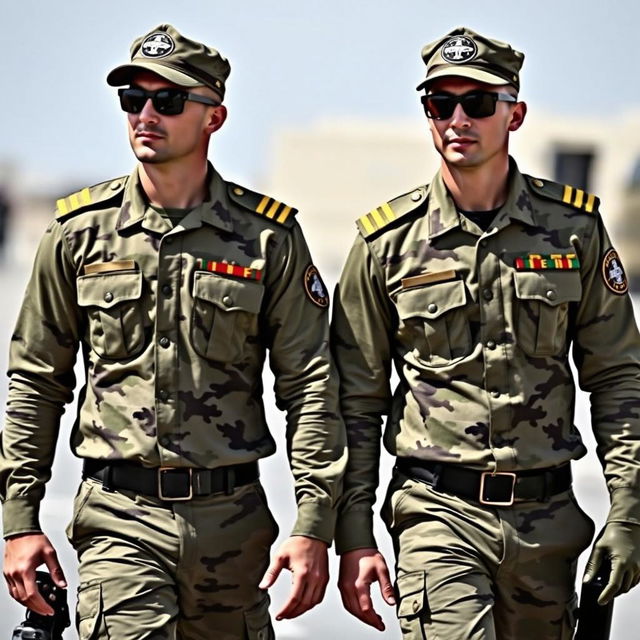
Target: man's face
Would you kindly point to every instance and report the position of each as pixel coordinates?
(157, 138)
(463, 141)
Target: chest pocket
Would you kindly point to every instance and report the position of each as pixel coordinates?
(225, 315)
(542, 309)
(114, 310)
(433, 322)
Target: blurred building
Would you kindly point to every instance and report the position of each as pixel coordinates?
(336, 171)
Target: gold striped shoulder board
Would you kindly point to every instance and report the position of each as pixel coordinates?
(95, 197)
(387, 213)
(261, 205)
(571, 196)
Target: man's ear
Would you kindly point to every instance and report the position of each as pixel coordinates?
(217, 118)
(517, 116)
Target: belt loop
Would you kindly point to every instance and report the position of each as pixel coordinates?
(547, 482)
(437, 474)
(229, 480)
(107, 480)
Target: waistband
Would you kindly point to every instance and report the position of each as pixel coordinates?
(170, 483)
(500, 488)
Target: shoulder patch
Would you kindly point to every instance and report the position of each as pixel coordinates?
(261, 205)
(387, 213)
(90, 197)
(564, 193)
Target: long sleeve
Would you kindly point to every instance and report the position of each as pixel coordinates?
(42, 356)
(306, 385)
(360, 339)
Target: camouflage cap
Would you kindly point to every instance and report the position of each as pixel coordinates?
(463, 52)
(165, 51)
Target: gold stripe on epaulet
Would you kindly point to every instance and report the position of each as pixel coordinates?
(377, 218)
(74, 201)
(576, 198)
(273, 209)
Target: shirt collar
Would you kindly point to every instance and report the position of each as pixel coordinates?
(214, 211)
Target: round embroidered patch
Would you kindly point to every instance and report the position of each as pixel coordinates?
(459, 50)
(315, 288)
(157, 45)
(613, 273)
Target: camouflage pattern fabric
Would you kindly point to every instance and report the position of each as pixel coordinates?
(173, 348)
(466, 572)
(188, 570)
(480, 346)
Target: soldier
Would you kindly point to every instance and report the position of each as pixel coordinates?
(175, 283)
(474, 287)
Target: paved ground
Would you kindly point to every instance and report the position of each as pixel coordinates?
(328, 620)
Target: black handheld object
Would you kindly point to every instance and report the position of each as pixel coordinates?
(594, 620)
(37, 627)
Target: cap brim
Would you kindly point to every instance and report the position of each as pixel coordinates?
(122, 75)
(463, 72)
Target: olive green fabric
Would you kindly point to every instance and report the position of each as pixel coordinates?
(481, 348)
(165, 51)
(465, 53)
(466, 572)
(189, 569)
(175, 325)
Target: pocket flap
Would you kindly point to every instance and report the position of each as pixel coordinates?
(411, 592)
(226, 293)
(432, 300)
(89, 609)
(551, 287)
(108, 289)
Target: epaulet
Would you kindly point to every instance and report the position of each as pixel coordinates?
(564, 193)
(95, 197)
(261, 205)
(389, 212)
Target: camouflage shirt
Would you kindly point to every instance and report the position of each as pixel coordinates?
(478, 326)
(174, 325)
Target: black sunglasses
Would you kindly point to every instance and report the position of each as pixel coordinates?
(167, 102)
(476, 104)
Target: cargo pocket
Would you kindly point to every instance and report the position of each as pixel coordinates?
(258, 622)
(434, 322)
(114, 309)
(225, 314)
(89, 612)
(79, 502)
(412, 601)
(542, 309)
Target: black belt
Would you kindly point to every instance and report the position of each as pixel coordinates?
(170, 483)
(501, 488)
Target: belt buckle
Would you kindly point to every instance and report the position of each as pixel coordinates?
(502, 482)
(163, 472)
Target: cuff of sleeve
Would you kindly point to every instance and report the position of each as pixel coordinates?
(315, 521)
(354, 530)
(625, 505)
(20, 515)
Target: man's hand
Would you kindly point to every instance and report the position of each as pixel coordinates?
(306, 558)
(358, 570)
(23, 554)
(620, 543)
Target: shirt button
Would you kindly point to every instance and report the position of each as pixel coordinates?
(164, 440)
(495, 393)
(108, 297)
(551, 294)
(166, 289)
(165, 342)
(416, 606)
(491, 345)
(483, 243)
(163, 395)
(168, 240)
(227, 301)
(487, 294)
(432, 308)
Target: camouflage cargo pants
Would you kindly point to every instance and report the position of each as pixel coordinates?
(470, 572)
(176, 571)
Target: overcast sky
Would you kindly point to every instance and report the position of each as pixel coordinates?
(293, 63)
